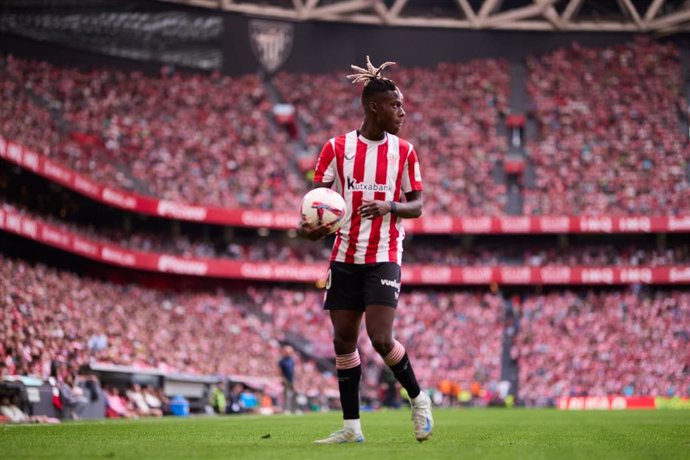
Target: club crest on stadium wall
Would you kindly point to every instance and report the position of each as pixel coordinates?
(271, 42)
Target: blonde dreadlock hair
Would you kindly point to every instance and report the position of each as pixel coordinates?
(372, 79)
(370, 73)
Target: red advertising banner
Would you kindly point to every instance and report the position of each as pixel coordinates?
(606, 402)
(36, 230)
(56, 172)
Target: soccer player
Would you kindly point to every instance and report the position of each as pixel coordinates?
(378, 175)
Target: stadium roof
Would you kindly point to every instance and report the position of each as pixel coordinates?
(657, 16)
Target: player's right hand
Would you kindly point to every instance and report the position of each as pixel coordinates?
(307, 231)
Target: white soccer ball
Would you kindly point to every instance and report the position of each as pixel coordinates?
(323, 206)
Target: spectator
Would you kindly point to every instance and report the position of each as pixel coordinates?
(116, 406)
(10, 409)
(138, 401)
(73, 399)
(155, 400)
(287, 375)
(217, 398)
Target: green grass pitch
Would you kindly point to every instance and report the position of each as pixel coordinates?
(471, 434)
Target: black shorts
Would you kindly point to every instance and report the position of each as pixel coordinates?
(356, 286)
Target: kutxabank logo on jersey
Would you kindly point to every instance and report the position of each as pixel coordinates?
(271, 42)
(356, 186)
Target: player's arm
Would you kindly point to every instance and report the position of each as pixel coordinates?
(304, 230)
(410, 209)
(324, 176)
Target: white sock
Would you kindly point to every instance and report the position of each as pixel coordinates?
(353, 424)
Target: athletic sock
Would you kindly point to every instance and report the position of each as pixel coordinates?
(399, 363)
(353, 424)
(349, 369)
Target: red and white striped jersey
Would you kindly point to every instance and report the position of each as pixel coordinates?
(359, 169)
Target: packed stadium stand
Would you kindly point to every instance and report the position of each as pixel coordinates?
(626, 342)
(81, 150)
(53, 316)
(611, 137)
(168, 136)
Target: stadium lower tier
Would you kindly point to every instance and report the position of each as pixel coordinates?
(563, 343)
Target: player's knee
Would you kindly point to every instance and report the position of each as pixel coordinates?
(343, 345)
(382, 343)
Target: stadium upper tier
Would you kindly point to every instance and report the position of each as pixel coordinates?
(610, 136)
(39, 164)
(204, 139)
(613, 134)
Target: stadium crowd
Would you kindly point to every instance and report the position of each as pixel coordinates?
(208, 139)
(604, 145)
(623, 342)
(51, 316)
(566, 343)
(193, 138)
(203, 138)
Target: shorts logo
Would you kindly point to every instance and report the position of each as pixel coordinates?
(328, 280)
(394, 284)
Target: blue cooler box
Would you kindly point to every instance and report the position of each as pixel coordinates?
(179, 406)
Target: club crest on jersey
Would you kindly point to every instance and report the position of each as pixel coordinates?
(355, 186)
(271, 42)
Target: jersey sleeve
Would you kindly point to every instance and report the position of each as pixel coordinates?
(412, 176)
(325, 165)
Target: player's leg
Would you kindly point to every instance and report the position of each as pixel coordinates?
(379, 322)
(382, 289)
(347, 362)
(346, 325)
(344, 302)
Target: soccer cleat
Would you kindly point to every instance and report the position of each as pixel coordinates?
(342, 436)
(421, 417)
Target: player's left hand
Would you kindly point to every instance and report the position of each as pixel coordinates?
(306, 231)
(374, 208)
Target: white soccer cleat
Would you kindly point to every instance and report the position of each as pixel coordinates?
(421, 417)
(342, 436)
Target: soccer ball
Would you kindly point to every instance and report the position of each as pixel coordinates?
(323, 206)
